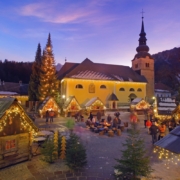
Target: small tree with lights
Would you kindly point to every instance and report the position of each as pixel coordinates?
(34, 78)
(133, 161)
(49, 85)
(75, 153)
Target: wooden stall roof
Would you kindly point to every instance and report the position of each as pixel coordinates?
(171, 141)
(46, 101)
(91, 101)
(68, 101)
(6, 103)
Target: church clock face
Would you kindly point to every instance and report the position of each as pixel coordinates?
(91, 88)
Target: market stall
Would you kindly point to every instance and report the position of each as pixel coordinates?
(168, 148)
(49, 104)
(71, 106)
(95, 105)
(140, 106)
(16, 133)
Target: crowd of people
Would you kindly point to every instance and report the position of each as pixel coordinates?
(97, 123)
(158, 130)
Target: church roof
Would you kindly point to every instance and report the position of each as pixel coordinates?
(90, 70)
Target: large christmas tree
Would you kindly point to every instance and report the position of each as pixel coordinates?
(34, 78)
(48, 75)
(133, 161)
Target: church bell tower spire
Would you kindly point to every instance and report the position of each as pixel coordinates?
(143, 62)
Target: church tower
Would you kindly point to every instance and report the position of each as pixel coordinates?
(143, 63)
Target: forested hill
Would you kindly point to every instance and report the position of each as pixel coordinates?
(167, 67)
(11, 71)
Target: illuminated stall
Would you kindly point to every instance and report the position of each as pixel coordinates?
(94, 105)
(176, 114)
(140, 106)
(71, 106)
(16, 133)
(168, 148)
(49, 104)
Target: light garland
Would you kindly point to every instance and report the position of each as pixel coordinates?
(168, 157)
(13, 112)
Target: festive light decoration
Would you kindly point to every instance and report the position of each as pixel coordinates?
(56, 143)
(49, 105)
(63, 148)
(13, 112)
(48, 77)
(167, 156)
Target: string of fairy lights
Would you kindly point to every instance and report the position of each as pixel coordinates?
(168, 157)
(13, 112)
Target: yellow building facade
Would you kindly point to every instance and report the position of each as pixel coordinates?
(81, 89)
(114, 85)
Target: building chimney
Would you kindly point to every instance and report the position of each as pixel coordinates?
(20, 83)
(3, 83)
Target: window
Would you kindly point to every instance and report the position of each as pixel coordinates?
(136, 65)
(102, 87)
(10, 144)
(147, 64)
(79, 86)
(131, 89)
(121, 89)
(139, 89)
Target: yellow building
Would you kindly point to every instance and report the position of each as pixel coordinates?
(114, 85)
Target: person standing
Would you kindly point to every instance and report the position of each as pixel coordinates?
(51, 114)
(109, 119)
(47, 116)
(162, 129)
(148, 124)
(154, 131)
(91, 116)
(98, 116)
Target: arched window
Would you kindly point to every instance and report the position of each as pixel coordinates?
(131, 89)
(102, 87)
(79, 86)
(121, 89)
(139, 89)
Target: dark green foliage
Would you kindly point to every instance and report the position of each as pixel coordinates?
(11, 71)
(133, 160)
(47, 151)
(34, 78)
(75, 153)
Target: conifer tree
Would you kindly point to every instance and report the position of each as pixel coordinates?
(34, 78)
(75, 153)
(133, 161)
(48, 75)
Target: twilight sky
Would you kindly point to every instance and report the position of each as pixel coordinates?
(105, 31)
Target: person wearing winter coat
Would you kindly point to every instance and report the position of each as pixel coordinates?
(148, 124)
(154, 131)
